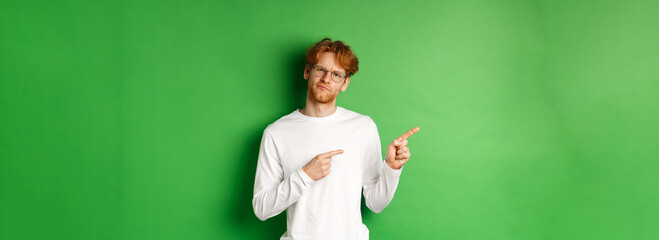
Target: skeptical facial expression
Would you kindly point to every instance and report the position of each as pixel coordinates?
(325, 78)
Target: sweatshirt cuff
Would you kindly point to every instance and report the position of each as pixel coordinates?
(391, 171)
(305, 178)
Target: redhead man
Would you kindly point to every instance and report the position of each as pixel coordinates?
(316, 161)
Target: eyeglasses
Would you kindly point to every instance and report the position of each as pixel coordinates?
(318, 71)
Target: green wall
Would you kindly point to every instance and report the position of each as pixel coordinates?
(142, 119)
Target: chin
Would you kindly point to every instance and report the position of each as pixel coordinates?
(322, 96)
(325, 98)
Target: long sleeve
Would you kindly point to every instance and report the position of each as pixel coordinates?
(380, 181)
(274, 192)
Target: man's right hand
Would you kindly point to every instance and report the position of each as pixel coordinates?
(319, 166)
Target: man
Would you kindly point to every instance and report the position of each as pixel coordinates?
(314, 162)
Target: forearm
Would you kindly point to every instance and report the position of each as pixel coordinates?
(380, 194)
(272, 201)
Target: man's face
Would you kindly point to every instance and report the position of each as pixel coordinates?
(322, 88)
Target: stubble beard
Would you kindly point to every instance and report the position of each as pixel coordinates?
(322, 96)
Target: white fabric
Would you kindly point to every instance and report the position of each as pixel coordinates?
(330, 207)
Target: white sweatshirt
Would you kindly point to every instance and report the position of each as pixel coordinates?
(330, 207)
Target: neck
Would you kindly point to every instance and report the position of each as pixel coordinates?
(317, 109)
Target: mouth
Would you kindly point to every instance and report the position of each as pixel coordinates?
(323, 87)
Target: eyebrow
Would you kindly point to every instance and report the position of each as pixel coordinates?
(342, 72)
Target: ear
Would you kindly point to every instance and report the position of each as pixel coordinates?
(306, 72)
(345, 85)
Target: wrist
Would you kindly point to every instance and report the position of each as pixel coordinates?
(393, 166)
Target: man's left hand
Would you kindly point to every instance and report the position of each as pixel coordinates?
(397, 152)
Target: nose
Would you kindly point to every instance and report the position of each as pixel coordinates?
(327, 77)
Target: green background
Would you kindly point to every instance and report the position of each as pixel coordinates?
(142, 119)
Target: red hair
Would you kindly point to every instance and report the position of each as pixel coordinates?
(344, 56)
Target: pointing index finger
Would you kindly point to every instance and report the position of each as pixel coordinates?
(333, 153)
(409, 133)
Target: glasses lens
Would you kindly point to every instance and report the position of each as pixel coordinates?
(318, 71)
(337, 77)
